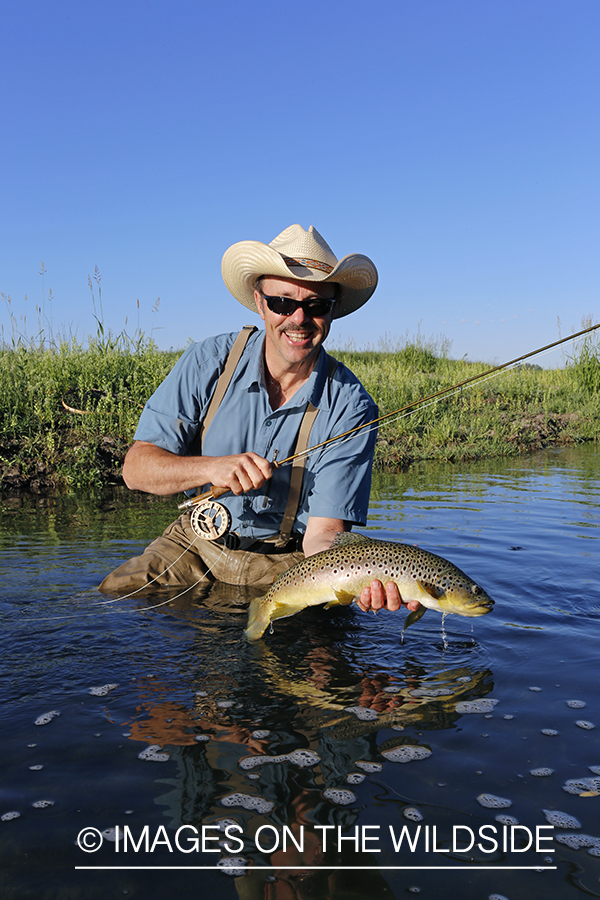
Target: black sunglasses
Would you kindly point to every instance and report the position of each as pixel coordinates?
(285, 306)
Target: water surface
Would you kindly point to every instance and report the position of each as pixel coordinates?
(343, 687)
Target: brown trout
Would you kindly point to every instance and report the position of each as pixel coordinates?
(337, 576)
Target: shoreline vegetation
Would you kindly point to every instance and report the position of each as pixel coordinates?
(69, 412)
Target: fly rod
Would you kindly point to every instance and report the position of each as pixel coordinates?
(215, 492)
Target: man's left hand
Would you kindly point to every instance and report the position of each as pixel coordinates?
(377, 597)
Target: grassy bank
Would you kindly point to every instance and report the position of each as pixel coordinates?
(45, 447)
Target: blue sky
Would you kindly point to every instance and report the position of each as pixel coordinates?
(455, 143)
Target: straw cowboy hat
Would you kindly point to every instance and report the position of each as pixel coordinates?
(305, 255)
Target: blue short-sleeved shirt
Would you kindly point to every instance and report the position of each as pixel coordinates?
(337, 478)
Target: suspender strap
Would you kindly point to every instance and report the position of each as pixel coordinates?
(302, 444)
(225, 377)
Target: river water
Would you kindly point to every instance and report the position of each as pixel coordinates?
(335, 734)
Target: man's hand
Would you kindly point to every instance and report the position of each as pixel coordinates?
(377, 597)
(239, 473)
(157, 471)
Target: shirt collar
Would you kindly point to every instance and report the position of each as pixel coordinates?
(314, 391)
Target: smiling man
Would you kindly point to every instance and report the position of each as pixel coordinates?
(235, 403)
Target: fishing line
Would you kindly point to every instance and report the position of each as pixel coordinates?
(425, 403)
(216, 492)
(138, 609)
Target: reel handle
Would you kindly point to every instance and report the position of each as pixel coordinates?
(212, 494)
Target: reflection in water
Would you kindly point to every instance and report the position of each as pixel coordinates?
(309, 727)
(326, 718)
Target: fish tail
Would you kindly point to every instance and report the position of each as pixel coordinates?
(258, 619)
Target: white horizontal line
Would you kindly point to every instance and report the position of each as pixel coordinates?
(319, 868)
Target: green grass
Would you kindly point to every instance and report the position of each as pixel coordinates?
(44, 447)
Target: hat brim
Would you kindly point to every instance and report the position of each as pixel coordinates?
(246, 261)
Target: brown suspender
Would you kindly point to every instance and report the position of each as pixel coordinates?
(235, 354)
(308, 419)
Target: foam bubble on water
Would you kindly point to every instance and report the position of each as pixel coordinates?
(491, 801)
(339, 796)
(8, 816)
(260, 734)
(110, 834)
(508, 716)
(576, 841)
(581, 785)
(355, 778)
(463, 679)
(594, 769)
(497, 897)
(46, 717)
(225, 704)
(505, 819)
(253, 776)
(412, 814)
(249, 802)
(103, 690)
(393, 689)
(582, 723)
(561, 819)
(153, 754)
(406, 753)
(42, 804)
(368, 766)
(224, 824)
(542, 771)
(202, 737)
(36, 768)
(576, 704)
(483, 705)
(201, 693)
(302, 758)
(550, 731)
(233, 865)
(536, 689)
(362, 713)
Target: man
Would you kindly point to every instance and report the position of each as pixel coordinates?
(282, 378)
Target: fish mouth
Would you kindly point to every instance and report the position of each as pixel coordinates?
(467, 606)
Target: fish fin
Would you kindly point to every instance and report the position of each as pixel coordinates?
(414, 617)
(347, 537)
(430, 590)
(342, 598)
(258, 619)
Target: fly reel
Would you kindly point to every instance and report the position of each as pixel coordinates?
(210, 520)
